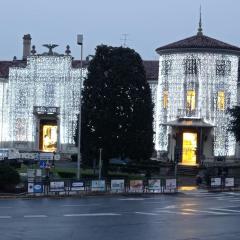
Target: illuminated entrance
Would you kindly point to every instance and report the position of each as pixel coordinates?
(189, 148)
(48, 135)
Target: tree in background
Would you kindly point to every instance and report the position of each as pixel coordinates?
(117, 110)
(234, 125)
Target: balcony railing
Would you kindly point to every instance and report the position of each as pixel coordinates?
(189, 113)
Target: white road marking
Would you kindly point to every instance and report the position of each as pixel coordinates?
(91, 214)
(234, 200)
(204, 211)
(225, 210)
(145, 213)
(5, 217)
(175, 212)
(132, 199)
(35, 216)
(80, 205)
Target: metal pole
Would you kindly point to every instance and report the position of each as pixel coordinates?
(80, 108)
(100, 164)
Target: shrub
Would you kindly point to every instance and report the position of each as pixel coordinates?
(9, 177)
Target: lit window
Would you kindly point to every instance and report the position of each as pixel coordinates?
(165, 99)
(191, 100)
(221, 100)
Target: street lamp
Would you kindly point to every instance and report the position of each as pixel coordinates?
(80, 42)
(100, 164)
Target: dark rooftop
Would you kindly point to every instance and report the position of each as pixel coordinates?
(199, 42)
(151, 67)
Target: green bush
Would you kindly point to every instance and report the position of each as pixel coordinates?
(9, 178)
(67, 174)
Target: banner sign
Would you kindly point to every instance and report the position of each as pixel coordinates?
(46, 156)
(117, 185)
(57, 186)
(229, 182)
(154, 185)
(136, 186)
(35, 188)
(215, 182)
(98, 185)
(171, 185)
(77, 186)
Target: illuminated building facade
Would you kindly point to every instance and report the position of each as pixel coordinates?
(40, 100)
(197, 83)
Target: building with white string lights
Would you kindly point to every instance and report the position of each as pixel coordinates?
(40, 100)
(197, 83)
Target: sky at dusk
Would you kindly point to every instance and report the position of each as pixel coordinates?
(148, 24)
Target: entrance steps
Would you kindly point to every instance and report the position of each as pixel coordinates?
(184, 170)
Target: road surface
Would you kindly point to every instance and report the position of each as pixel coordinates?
(190, 216)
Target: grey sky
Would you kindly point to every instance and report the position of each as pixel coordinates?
(149, 23)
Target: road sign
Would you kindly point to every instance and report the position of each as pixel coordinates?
(42, 164)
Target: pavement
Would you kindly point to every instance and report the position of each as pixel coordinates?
(190, 215)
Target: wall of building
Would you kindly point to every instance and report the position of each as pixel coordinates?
(48, 81)
(180, 72)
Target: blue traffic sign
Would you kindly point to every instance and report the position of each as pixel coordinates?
(42, 164)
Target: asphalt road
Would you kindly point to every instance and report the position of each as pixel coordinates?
(190, 216)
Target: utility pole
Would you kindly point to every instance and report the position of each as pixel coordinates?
(80, 42)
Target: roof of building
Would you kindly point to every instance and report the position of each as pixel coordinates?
(5, 65)
(198, 42)
(151, 67)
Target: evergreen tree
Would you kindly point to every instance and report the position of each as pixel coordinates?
(234, 125)
(117, 110)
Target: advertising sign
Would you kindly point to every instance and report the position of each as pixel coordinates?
(30, 187)
(215, 182)
(98, 185)
(77, 186)
(46, 156)
(136, 186)
(117, 185)
(57, 186)
(229, 182)
(154, 185)
(35, 188)
(31, 175)
(171, 185)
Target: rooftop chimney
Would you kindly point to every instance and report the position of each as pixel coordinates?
(26, 46)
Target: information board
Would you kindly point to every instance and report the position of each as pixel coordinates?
(171, 185)
(57, 186)
(77, 186)
(215, 182)
(117, 185)
(154, 185)
(98, 185)
(229, 182)
(136, 186)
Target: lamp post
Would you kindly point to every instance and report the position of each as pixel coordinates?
(100, 164)
(80, 42)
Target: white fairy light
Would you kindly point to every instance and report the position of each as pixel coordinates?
(48, 81)
(206, 83)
